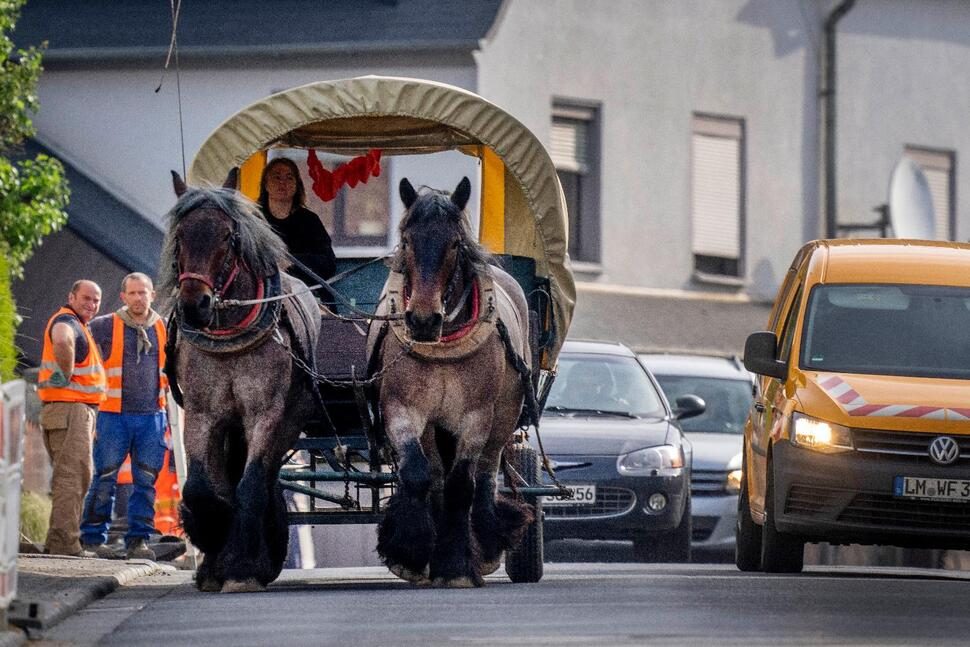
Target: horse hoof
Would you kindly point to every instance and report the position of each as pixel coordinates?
(490, 567)
(464, 582)
(250, 585)
(209, 585)
(408, 575)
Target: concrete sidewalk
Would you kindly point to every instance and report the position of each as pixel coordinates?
(52, 587)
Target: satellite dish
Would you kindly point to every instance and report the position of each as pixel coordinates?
(910, 202)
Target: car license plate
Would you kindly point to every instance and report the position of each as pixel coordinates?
(582, 495)
(914, 487)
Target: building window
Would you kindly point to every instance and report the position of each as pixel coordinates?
(717, 195)
(938, 167)
(575, 153)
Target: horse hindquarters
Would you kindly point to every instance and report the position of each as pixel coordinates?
(406, 534)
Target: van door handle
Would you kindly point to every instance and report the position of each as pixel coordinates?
(759, 407)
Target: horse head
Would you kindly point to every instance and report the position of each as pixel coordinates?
(434, 240)
(214, 235)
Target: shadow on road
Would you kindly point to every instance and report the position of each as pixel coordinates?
(576, 550)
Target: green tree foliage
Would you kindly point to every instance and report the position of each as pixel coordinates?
(8, 353)
(33, 192)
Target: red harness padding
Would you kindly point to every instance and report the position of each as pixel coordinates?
(464, 330)
(326, 184)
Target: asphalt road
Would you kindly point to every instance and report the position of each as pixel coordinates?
(574, 604)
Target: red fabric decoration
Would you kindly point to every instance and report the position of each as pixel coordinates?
(326, 183)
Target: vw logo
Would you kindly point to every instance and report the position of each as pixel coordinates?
(944, 450)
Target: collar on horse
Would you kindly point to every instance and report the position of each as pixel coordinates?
(253, 329)
(458, 344)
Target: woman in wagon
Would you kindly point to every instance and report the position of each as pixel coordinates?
(283, 201)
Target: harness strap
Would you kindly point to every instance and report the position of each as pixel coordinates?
(170, 363)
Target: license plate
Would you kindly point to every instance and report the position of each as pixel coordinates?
(582, 495)
(914, 487)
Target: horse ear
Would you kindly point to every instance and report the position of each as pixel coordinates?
(178, 184)
(462, 192)
(232, 178)
(408, 194)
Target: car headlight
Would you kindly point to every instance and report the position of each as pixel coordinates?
(812, 433)
(733, 482)
(650, 461)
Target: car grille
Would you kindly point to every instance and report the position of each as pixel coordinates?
(808, 500)
(610, 502)
(879, 509)
(708, 482)
(702, 527)
(899, 443)
(885, 510)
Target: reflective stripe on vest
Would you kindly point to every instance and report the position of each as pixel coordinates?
(114, 364)
(87, 383)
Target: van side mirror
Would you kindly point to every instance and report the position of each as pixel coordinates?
(689, 406)
(760, 350)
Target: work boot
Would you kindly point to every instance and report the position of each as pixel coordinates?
(102, 551)
(138, 549)
(86, 552)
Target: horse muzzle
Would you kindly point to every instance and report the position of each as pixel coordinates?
(196, 306)
(424, 328)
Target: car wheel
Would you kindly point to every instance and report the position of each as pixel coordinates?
(524, 562)
(780, 551)
(747, 545)
(670, 546)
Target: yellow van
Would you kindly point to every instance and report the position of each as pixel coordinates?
(860, 432)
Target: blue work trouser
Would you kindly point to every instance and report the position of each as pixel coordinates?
(118, 434)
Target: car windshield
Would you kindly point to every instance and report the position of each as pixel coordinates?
(605, 384)
(914, 330)
(727, 401)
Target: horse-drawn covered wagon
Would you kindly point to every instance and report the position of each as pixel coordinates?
(397, 403)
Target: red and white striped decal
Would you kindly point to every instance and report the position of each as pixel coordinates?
(854, 404)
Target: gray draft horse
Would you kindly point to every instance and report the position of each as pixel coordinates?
(245, 399)
(449, 396)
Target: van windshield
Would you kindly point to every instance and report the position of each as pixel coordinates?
(913, 330)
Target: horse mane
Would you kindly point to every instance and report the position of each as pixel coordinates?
(258, 245)
(435, 204)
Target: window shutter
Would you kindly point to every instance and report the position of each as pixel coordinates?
(570, 141)
(716, 191)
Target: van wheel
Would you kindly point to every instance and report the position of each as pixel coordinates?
(780, 551)
(747, 547)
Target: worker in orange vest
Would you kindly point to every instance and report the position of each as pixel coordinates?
(70, 384)
(132, 417)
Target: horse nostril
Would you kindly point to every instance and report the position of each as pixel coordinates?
(205, 302)
(435, 321)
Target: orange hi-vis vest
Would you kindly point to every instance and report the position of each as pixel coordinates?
(87, 383)
(113, 365)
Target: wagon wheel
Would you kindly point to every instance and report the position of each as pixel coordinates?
(524, 562)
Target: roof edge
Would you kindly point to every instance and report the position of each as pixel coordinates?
(263, 52)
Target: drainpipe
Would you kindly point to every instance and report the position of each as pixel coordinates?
(827, 94)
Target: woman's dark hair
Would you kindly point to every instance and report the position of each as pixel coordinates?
(299, 198)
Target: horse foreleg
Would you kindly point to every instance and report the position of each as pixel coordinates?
(455, 562)
(406, 534)
(206, 518)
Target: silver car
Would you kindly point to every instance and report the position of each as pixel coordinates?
(716, 435)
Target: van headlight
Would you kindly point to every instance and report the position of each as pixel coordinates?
(733, 482)
(650, 461)
(821, 436)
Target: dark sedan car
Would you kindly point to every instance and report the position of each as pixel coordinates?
(614, 441)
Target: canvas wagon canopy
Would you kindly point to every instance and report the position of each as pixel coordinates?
(523, 211)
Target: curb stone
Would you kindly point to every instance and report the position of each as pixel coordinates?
(46, 596)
